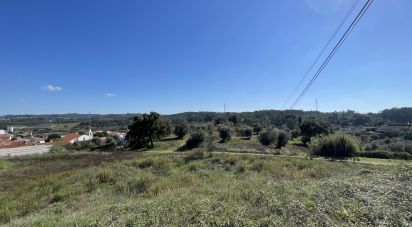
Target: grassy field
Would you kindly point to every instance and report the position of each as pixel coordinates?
(200, 188)
(63, 127)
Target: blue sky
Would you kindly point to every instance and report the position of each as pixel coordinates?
(172, 56)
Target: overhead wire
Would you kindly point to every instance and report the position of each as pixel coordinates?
(333, 52)
(355, 3)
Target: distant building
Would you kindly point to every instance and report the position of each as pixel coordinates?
(12, 144)
(6, 137)
(118, 134)
(75, 137)
(10, 129)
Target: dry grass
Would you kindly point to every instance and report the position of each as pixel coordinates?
(200, 188)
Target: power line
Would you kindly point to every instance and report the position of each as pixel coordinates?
(333, 52)
(355, 3)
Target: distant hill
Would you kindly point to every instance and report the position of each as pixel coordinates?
(276, 117)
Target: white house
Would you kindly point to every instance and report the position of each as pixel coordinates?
(10, 129)
(74, 137)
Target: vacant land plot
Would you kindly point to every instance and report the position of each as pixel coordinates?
(27, 150)
(201, 188)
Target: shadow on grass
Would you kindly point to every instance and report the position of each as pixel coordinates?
(171, 139)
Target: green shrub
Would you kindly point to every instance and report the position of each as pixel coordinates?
(181, 128)
(282, 139)
(53, 137)
(195, 139)
(386, 155)
(408, 149)
(371, 146)
(246, 132)
(313, 128)
(408, 135)
(335, 145)
(101, 134)
(57, 149)
(267, 137)
(225, 134)
(257, 128)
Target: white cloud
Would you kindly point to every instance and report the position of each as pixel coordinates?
(23, 100)
(52, 88)
(109, 95)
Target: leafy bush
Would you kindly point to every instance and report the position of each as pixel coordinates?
(195, 139)
(53, 137)
(57, 149)
(83, 145)
(257, 128)
(267, 137)
(408, 149)
(282, 139)
(225, 134)
(181, 128)
(335, 145)
(408, 136)
(386, 155)
(371, 146)
(397, 147)
(101, 134)
(246, 132)
(312, 128)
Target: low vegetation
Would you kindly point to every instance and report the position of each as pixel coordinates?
(252, 169)
(201, 188)
(336, 145)
(267, 137)
(195, 139)
(225, 133)
(57, 149)
(181, 128)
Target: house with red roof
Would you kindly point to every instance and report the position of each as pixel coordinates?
(6, 137)
(75, 137)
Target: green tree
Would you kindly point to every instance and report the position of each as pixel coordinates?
(246, 132)
(181, 128)
(312, 128)
(147, 128)
(53, 137)
(267, 137)
(225, 134)
(359, 119)
(234, 119)
(196, 138)
(101, 134)
(282, 139)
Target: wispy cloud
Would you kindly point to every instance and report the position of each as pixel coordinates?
(23, 100)
(109, 95)
(52, 88)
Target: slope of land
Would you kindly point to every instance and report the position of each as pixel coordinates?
(200, 188)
